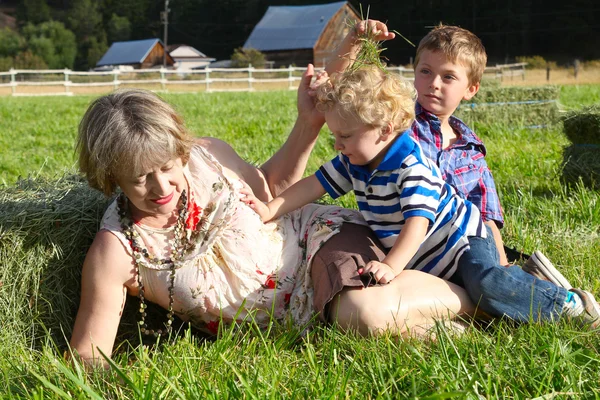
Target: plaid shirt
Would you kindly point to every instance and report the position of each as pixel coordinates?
(462, 164)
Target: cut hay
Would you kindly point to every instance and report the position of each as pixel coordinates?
(533, 107)
(581, 162)
(583, 126)
(46, 228)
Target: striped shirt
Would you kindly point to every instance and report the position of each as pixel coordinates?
(406, 184)
(462, 164)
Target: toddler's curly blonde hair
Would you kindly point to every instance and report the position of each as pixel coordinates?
(372, 95)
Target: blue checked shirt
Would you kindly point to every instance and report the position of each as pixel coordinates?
(462, 164)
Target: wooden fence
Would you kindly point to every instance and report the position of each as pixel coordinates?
(67, 82)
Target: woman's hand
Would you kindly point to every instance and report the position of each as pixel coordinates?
(322, 78)
(306, 102)
(382, 272)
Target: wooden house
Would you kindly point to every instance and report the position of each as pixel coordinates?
(302, 34)
(139, 54)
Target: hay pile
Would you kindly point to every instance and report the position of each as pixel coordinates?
(513, 106)
(581, 160)
(46, 228)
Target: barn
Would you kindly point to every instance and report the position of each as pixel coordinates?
(186, 57)
(302, 34)
(139, 54)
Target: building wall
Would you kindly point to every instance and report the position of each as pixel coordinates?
(155, 57)
(287, 57)
(336, 30)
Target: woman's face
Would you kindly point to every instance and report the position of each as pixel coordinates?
(156, 192)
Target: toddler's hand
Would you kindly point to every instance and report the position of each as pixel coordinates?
(248, 197)
(383, 273)
(321, 78)
(377, 29)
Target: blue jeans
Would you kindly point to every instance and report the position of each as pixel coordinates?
(502, 291)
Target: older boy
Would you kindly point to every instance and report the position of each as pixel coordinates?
(449, 66)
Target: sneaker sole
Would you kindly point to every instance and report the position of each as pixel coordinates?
(547, 270)
(592, 308)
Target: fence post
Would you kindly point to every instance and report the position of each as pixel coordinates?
(66, 72)
(548, 72)
(162, 78)
(207, 78)
(13, 80)
(250, 76)
(115, 72)
(290, 77)
(523, 68)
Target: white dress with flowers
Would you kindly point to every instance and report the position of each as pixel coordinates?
(236, 265)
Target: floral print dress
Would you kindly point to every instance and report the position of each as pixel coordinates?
(235, 264)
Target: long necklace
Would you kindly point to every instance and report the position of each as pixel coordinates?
(140, 253)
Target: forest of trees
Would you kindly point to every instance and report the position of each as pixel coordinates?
(76, 33)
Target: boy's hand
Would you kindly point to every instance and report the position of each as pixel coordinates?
(377, 29)
(383, 273)
(248, 197)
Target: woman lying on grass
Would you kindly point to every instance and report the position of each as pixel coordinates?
(179, 236)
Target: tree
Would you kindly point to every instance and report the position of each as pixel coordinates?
(54, 43)
(28, 60)
(11, 43)
(33, 12)
(119, 29)
(242, 58)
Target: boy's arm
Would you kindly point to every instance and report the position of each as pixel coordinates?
(348, 49)
(404, 249)
(301, 193)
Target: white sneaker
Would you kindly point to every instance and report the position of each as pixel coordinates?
(540, 267)
(591, 308)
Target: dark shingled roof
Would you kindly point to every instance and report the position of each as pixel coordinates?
(291, 27)
(127, 53)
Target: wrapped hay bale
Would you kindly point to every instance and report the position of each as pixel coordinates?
(46, 228)
(515, 106)
(583, 126)
(581, 160)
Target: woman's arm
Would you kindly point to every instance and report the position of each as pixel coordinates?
(287, 165)
(106, 271)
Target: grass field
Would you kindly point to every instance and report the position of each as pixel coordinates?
(496, 361)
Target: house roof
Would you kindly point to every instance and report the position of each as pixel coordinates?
(178, 51)
(130, 52)
(291, 27)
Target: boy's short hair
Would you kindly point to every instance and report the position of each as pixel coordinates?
(374, 96)
(458, 45)
(128, 132)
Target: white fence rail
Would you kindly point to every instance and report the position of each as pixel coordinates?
(45, 82)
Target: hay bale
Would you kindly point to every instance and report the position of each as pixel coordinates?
(45, 230)
(583, 126)
(581, 162)
(513, 106)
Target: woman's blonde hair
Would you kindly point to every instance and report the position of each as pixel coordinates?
(458, 45)
(372, 95)
(128, 132)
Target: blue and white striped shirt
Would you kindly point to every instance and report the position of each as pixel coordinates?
(407, 184)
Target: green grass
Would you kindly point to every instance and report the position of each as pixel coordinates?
(496, 361)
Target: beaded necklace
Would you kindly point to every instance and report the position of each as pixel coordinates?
(177, 252)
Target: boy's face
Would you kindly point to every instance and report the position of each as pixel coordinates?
(441, 84)
(361, 143)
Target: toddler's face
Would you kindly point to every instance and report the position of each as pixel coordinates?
(441, 84)
(361, 143)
